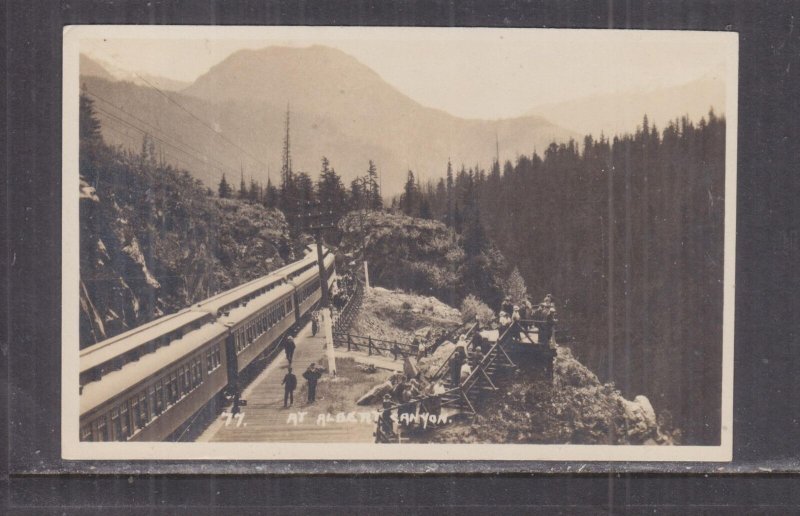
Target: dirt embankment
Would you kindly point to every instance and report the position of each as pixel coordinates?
(397, 316)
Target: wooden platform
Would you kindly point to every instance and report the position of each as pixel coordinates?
(265, 420)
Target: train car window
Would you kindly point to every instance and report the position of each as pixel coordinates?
(143, 409)
(159, 399)
(136, 423)
(116, 425)
(86, 432)
(199, 370)
(124, 419)
(165, 394)
(182, 381)
(101, 428)
(173, 385)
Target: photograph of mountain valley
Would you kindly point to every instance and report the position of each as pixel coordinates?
(403, 237)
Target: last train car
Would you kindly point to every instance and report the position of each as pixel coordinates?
(149, 397)
(145, 384)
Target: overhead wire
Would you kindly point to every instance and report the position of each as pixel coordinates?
(219, 165)
(163, 133)
(200, 120)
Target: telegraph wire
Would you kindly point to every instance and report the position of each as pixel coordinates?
(134, 139)
(219, 165)
(163, 133)
(214, 131)
(177, 142)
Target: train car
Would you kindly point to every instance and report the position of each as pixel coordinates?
(150, 398)
(307, 286)
(256, 325)
(113, 353)
(146, 383)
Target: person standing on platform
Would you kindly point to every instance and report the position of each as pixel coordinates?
(314, 323)
(455, 367)
(502, 324)
(515, 322)
(507, 305)
(311, 375)
(288, 348)
(289, 384)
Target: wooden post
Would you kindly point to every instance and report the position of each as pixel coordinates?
(349, 342)
(369, 344)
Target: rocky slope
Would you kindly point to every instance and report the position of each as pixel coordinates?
(398, 316)
(153, 242)
(573, 408)
(416, 255)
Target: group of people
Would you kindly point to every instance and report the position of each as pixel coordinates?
(467, 356)
(342, 290)
(405, 391)
(289, 382)
(519, 317)
(312, 375)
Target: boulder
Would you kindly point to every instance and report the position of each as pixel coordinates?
(410, 367)
(432, 363)
(640, 418)
(375, 394)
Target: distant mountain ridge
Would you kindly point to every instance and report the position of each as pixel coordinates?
(96, 68)
(618, 113)
(340, 108)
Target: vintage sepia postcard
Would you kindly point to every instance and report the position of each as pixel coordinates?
(431, 244)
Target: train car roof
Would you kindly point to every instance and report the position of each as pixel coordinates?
(245, 289)
(213, 304)
(108, 349)
(305, 276)
(242, 312)
(311, 271)
(132, 373)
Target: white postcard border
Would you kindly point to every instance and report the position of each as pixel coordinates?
(73, 449)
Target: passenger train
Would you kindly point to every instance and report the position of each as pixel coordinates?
(146, 383)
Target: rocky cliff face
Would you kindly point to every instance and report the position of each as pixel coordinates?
(153, 242)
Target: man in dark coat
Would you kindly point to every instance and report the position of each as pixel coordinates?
(288, 348)
(455, 367)
(314, 324)
(289, 384)
(311, 375)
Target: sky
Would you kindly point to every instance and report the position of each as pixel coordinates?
(471, 73)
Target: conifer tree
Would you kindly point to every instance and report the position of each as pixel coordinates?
(408, 200)
(271, 195)
(375, 200)
(515, 286)
(224, 189)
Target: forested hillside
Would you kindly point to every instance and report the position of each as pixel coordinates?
(628, 235)
(153, 241)
(424, 256)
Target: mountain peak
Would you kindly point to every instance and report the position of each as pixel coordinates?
(340, 108)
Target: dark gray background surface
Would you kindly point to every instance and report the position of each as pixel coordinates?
(767, 392)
